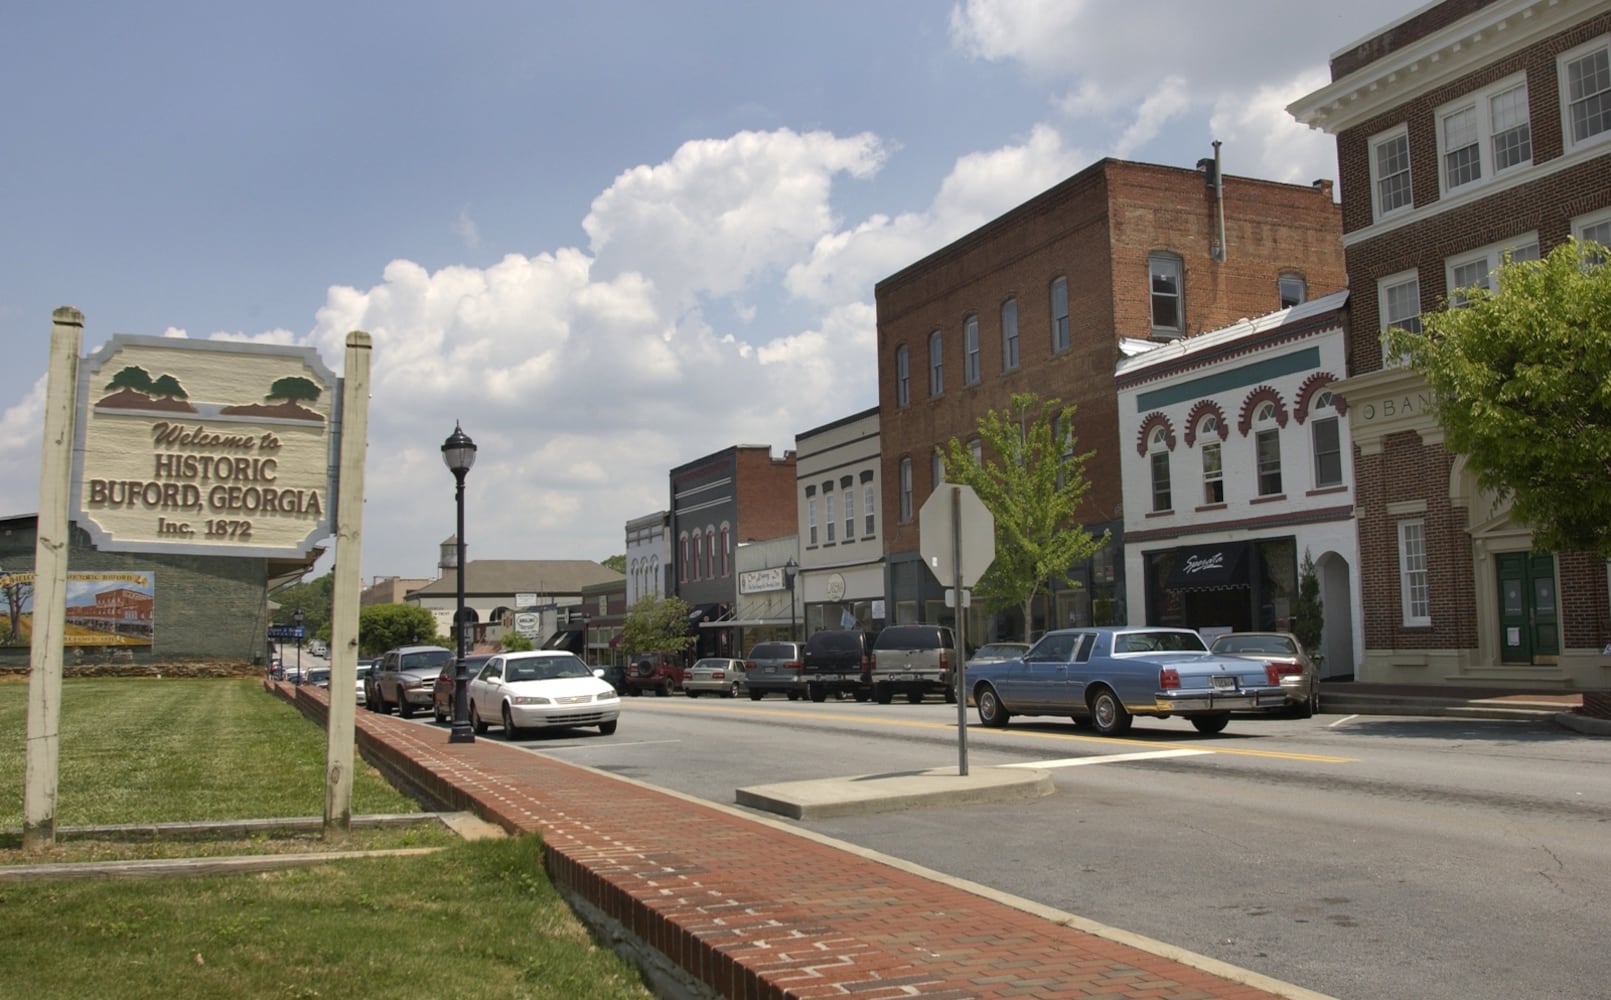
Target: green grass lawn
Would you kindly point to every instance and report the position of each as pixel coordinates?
(469, 921)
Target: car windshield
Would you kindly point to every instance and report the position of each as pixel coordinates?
(1158, 642)
(1001, 650)
(1253, 644)
(546, 668)
(431, 658)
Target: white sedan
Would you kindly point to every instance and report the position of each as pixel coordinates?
(541, 689)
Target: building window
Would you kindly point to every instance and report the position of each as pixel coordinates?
(1267, 449)
(1009, 335)
(976, 452)
(1586, 86)
(936, 365)
(698, 542)
(1060, 333)
(1390, 173)
(868, 498)
(1594, 228)
(1063, 427)
(1485, 134)
(1166, 272)
(1476, 269)
(970, 350)
(936, 469)
(1399, 302)
(1213, 475)
(727, 538)
(1327, 444)
(906, 490)
(850, 514)
(1294, 290)
(827, 514)
(1412, 580)
(903, 376)
(1159, 458)
(710, 553)
(682, 564)
(811, 520)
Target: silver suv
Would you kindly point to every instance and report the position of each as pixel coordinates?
(914, 660)
(775, 667)
(405, 677)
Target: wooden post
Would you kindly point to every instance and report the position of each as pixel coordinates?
(349, 529)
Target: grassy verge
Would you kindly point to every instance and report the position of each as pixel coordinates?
(472, 920)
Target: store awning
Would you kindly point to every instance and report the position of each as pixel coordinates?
(572, 639)
(1221, 566)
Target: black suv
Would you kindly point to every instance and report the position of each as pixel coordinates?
(838, 661)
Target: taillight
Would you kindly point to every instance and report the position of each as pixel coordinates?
(945, 660)
(1276, 669)
(1169, 679)
(749, 664)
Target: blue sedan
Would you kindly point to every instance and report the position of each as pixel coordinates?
(1106, 676)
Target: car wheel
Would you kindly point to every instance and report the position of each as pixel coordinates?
(663, 691)
(817, 692)
(950, 695)
(608, 728)
(404, 709)
(914, 697)
(794, 696)
(692, 694)
(991, 711)
(1314, 701)
(732, 692)
(756, 695)
(509, 730)
(882, 694)
(1211, 724)
(438, 713)
(862, 694)
(476, 722)
(1108, 713)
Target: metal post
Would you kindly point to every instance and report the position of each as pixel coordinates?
(462, 732)
(957, 671)
(296, 616)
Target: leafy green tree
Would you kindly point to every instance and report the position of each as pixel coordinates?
(1032, 481)
(168, 386)
(657, 625)
(514, 642)
(617, 563)
(382, 626)
(133, 377)
(1522, 376)
(1308, 617)
(315, 598)
(294, 389)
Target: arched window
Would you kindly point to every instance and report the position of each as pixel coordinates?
(1213, 462)
(726, 547)
(710, 553)
(682, 563)
(1158, 457)
(1267, 449)
(936, 365)
(970, 350)
(1327, 441)
(906, 489)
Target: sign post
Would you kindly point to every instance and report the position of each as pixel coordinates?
(957, 537)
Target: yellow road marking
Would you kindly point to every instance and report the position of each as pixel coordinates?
(687, 705)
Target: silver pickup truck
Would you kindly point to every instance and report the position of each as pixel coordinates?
(914, 660)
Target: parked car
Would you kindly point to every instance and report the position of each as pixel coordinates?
(658, 672)
(992, 651)
(364, 666)
(318, 677)
(1105, 676)
(615, 674)
(838, 661)
(404, 678)
(1282, 653)
(541, 689)
(775, 667)
(442, 689)
(913, 660)
(715, 675)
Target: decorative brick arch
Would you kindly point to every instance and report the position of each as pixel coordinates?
(1250, 405)
(1154, 420)
(1201, 409)
(1308, 391)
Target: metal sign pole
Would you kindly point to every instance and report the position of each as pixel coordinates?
(960, 631)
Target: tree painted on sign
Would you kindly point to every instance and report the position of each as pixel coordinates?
(1031, 479)
(169, 387)
(15, 591)
(294, 389)
(133, 377)
(1522, 375)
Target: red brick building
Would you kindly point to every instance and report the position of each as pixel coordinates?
(1465, 131)
(1040, 299)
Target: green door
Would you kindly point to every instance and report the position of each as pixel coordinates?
(1529, 619)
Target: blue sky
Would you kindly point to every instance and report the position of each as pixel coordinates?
(606, 237)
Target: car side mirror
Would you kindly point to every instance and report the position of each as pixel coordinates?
(598, 672)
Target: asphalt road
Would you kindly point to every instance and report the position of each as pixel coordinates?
(1362, 857)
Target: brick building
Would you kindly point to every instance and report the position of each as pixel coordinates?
(738, 494)
(1466, 130)
(1040, 299)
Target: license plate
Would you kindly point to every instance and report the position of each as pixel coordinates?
(1223, 682)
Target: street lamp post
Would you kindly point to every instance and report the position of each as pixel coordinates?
(296, 618)
(791, 569)
(458, 454)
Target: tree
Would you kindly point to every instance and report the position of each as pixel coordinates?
(133, 377)
(514, 642)
(657, 625)
(1522, 377)
(617, 563)
(169, 387)
(1032, 480)
(294, 388)
(1308, 617)
(383, 626)
(15, 589)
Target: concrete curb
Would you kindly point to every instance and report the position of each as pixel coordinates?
(865, 794)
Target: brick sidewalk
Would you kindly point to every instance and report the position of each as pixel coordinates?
(751, 909)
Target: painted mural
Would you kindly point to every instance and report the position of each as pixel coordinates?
(103, 608)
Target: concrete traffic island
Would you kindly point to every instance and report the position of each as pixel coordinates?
(865, 794)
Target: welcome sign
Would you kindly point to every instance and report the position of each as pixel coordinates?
(204, 447)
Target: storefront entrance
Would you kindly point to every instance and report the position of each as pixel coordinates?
(1529, 616)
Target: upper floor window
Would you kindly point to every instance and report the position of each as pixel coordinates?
(726, 538)
(903, 376)
(1476, 268)
(869, 496)
(1390, 172)
(1294, 290)
(850, 513)
(976, 451)
(936, 469)
(1594, 228)
(811, 520)
(1166, 274)
(682, 564)
(1267, 450)
(906, 489)
(1009, 335)
(1213, 475)
(1158, 456)
(1585, 74)
(1060, 334)
(936, 365)
(970, 350)
(1327, 442)
(827, 514)
(1399, 301)
(710, 553)
(1482, 135)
